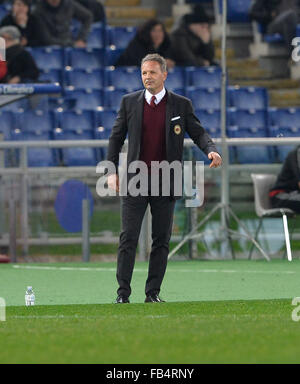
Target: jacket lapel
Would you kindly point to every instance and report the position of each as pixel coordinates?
(139, 120)
(169, 114)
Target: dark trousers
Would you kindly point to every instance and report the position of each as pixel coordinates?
(133, 210)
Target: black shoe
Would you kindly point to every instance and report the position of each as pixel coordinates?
(153, 299)
(122, 300)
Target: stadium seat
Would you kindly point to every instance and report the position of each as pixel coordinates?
(204, 98)
(284, 122)
(106, 118)
(175, 79)
(84, 78)
(237, 10)
(84, 58)
(128, 78)
(248, 97)
(251, 154)
(3, 11)
(113, 97)
(51, 76)
(111, 55)
(37, 157)
(250, 119)
(7, 123)
(206, 77)
(210, 119)
(16, 106)
(105, 121)
(96, 36)
(76, 156)
(77, 120)
(262, 184)
(48, 57)
(84, 98)
(34, 121)
(120, 37)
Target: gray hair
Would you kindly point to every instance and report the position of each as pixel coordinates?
(12, 31)
(156, 57)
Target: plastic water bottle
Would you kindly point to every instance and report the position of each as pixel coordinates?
(29, 297)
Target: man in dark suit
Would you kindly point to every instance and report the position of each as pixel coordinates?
(155, 120)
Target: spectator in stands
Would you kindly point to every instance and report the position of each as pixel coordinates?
(277, 16)
(286, 191)
(21, 67)
(191, 42)
(96, 9)
(57, 15)
(151, 37)
(29, 25)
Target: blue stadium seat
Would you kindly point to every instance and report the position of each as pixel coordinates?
(204, 98)
(250, 119)
(48, 57)
(111, 55)
(251, 154)
(128, 78)
(175, 79)
(77, 120)
(120, 37)
(16, 106)
(84, 78)
(237, 10)
(206, 77)
(284, 122)
(84, 58)
(3, 11)
(106, 118)
(7, 123)
(96, 36)
(248, 97)
(210, 119)
(34, 121)
(285, 117)
(37, 157)
(113, 97)
(51, 75)
(84, 98)
(77, 156)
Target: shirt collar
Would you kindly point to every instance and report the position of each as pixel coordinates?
(159, 96)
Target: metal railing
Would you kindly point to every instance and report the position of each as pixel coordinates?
(25, 171)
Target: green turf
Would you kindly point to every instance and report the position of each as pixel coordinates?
(95, 283)
(217, 312)
(208, 332)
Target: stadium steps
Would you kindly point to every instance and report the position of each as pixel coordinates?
(284, 98)
(269, 83)
(129, 15)
(248, 74)
(125, 3)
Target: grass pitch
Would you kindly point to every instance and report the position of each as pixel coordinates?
(217, 312)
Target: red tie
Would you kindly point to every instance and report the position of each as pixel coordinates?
(152, 102)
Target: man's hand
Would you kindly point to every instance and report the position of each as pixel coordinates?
(113, 182)
(216, 160)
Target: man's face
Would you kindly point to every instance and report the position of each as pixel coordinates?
(19, 7)
(53, 3)
(153, 77)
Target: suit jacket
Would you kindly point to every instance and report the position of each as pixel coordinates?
(129, 122)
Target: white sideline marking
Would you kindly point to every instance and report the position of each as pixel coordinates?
(51, 317)
(86, 269)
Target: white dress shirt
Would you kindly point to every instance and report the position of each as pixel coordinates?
(159, 96)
